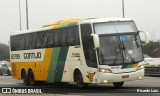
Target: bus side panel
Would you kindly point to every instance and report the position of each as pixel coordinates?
(16, 72)
(57, 64)
(75, 60)
(72, 60)
(53, 64)
(39, 67)
(17, 68)
(61, 62)
(46, 63)
(37, 71)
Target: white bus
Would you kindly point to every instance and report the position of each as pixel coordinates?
(85, 51)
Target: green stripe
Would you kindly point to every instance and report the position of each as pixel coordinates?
(127, 66)
(64, 25)
(130, 66)
(68, 24)
(73, 24)
(61, 62)
(53, 64)
(124, 66)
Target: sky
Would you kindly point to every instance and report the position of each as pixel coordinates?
(145, 13)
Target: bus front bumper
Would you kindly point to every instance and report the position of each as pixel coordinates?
(120, 77)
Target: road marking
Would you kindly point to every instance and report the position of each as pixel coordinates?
(8, 83)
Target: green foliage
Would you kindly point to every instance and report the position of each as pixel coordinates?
(4, 52)
(152, 49)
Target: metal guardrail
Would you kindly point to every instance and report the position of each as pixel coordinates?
(152, 70)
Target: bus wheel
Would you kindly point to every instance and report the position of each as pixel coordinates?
(118, 84)
(25, 78)
(79, 80)
(31, 78)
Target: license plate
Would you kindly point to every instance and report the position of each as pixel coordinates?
(125, 76)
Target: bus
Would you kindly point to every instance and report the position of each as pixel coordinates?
(81, 51)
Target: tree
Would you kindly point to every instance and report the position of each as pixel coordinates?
(152, 49)
(4, 52)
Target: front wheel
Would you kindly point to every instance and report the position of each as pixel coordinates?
(79, 80)
(118, 84)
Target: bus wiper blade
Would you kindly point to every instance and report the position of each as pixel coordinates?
(118, 52)
(126, 53)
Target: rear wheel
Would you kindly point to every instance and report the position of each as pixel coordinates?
(25, 78)
(31, 78)
(118, 84)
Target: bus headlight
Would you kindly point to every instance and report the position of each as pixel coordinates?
(104, 70)
(140, 67)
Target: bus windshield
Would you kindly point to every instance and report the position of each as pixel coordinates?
(120, 48)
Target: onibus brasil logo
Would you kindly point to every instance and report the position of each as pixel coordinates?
(21, 91)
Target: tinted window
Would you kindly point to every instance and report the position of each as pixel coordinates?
(88, 45)
(61, 37)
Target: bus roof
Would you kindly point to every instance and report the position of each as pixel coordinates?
(70, 22)
(95, 20)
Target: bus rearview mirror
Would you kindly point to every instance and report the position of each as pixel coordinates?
(145, 35)
(96, 40)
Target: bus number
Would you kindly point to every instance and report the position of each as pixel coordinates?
(15, 56)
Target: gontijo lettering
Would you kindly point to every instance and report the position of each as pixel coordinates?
(32, 55)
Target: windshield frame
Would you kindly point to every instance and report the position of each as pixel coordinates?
(120, 34)
(122, 50)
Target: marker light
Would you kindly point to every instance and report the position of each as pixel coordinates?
(140, 77)
(140, 67)
(104, 70)
(105, 81)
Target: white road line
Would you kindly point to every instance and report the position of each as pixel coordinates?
(5, 77)
(8, 83)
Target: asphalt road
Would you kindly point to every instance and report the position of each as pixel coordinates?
(130, 88)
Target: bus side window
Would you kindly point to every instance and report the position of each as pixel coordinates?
(63, 39)
(13, 45)
(52, 39)
(88, 45)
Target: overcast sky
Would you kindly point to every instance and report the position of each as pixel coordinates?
(145, 13)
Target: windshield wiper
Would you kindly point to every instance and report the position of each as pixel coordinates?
(125, 50)
(118, 52)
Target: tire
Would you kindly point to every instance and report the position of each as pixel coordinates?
(25, 78)
(118, 84)
(31, 78)
(79, 80)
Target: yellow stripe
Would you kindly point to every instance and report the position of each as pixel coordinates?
(46, 63)
(135, 65)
